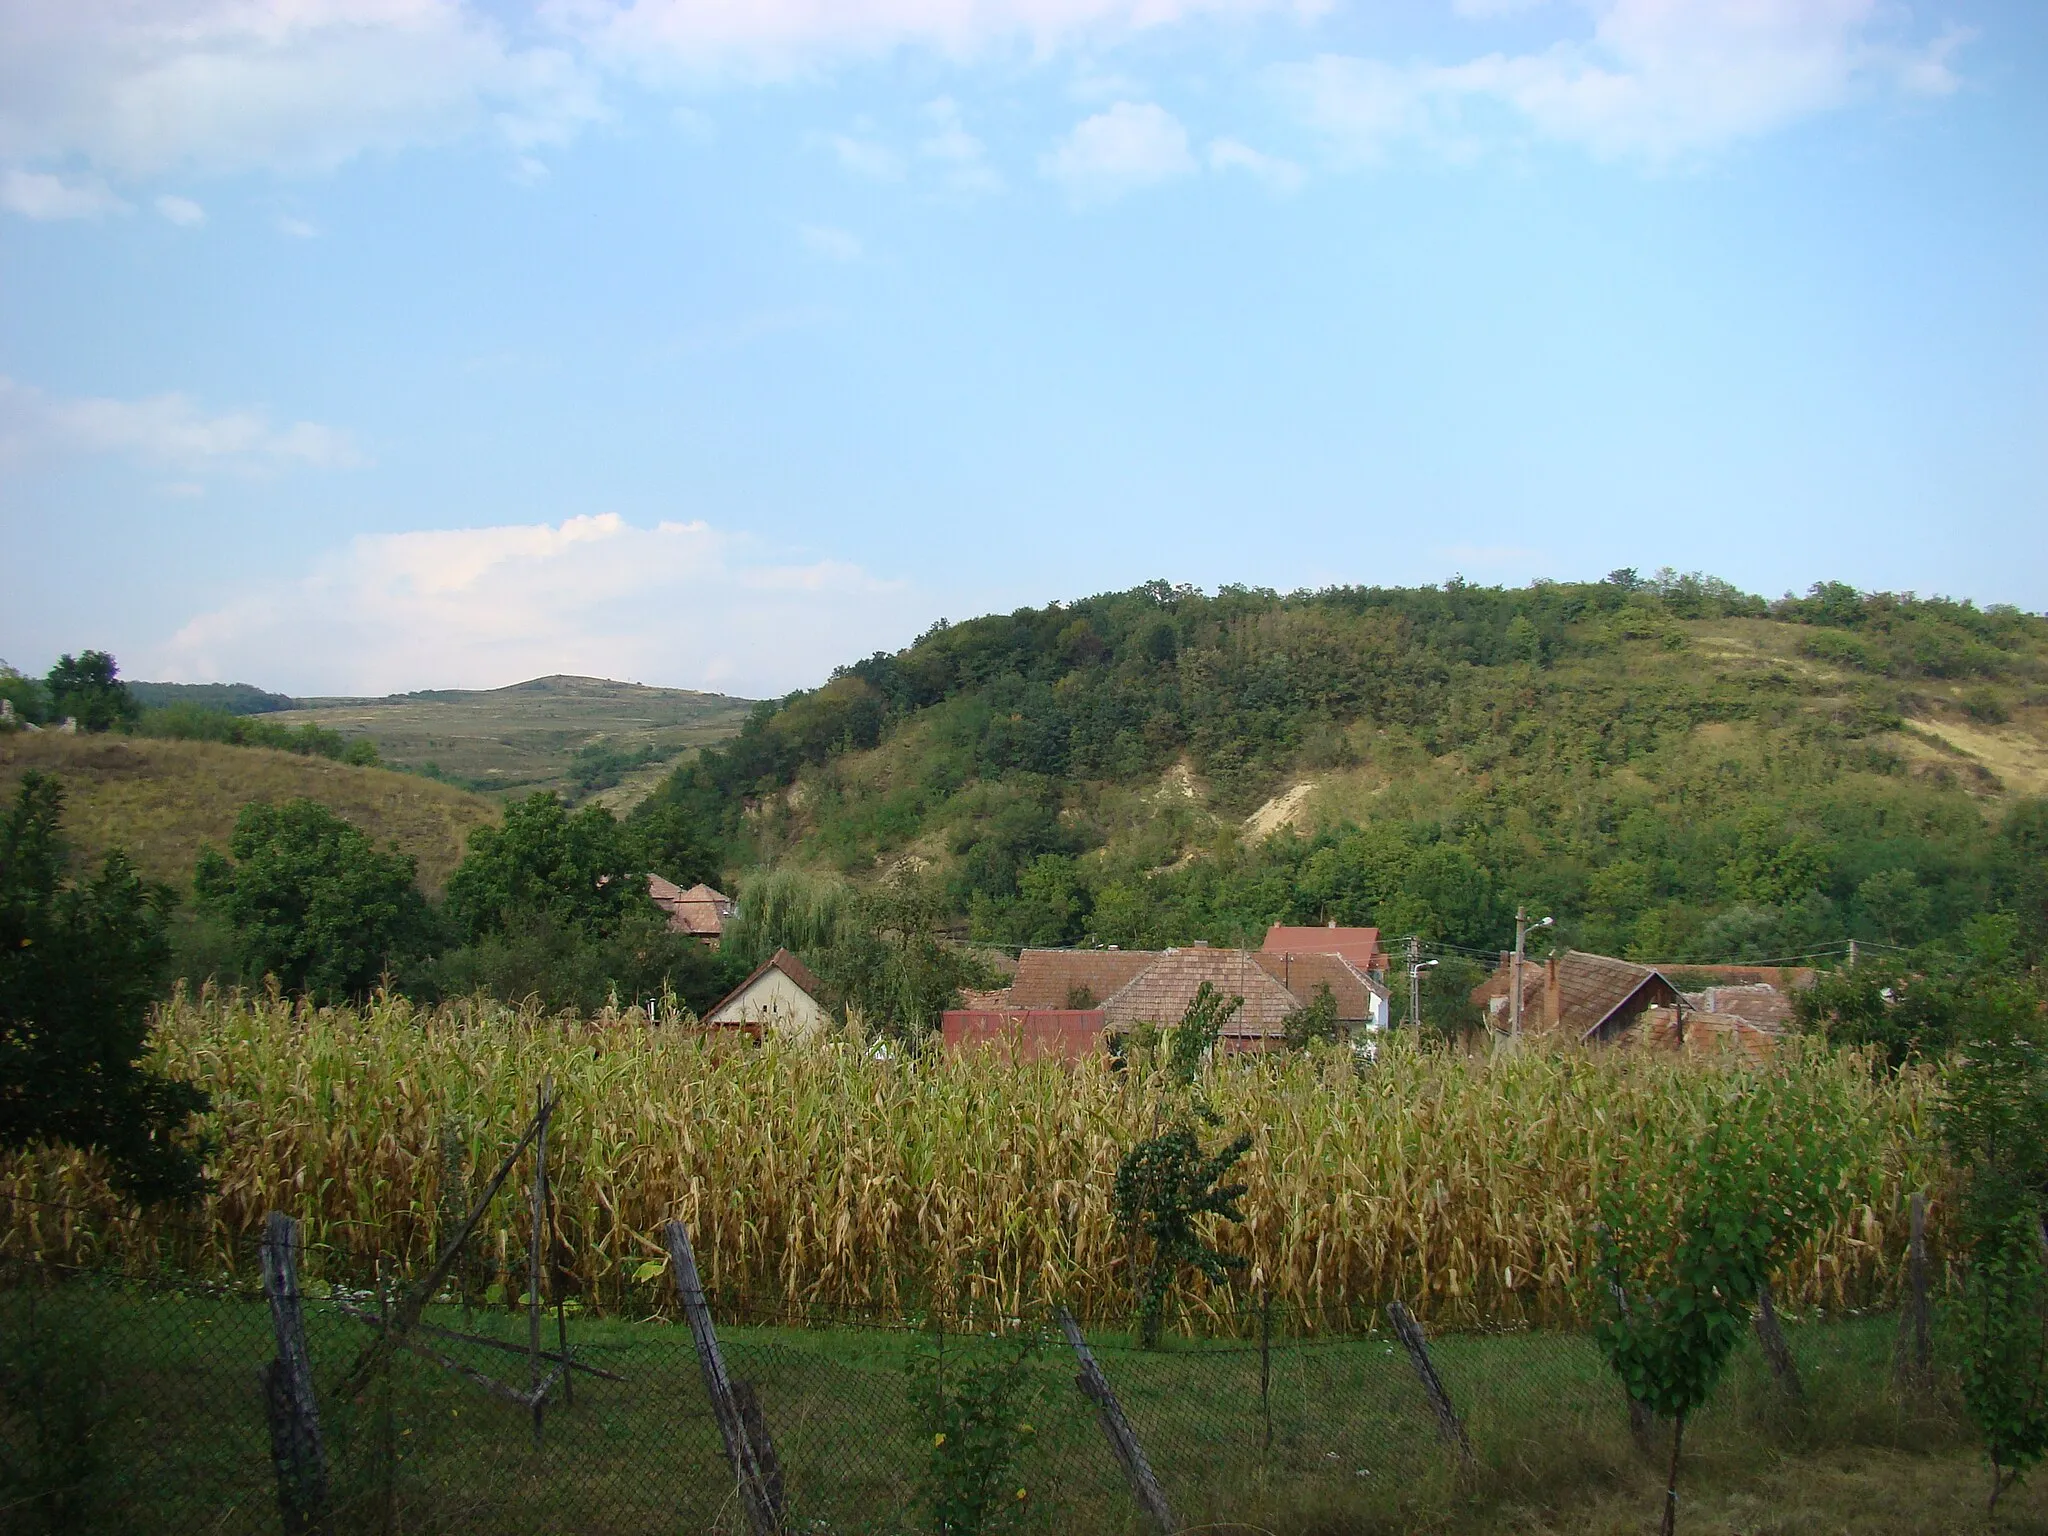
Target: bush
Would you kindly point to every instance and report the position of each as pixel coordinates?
(57, 1392)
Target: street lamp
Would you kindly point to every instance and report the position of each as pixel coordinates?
(1415, 971)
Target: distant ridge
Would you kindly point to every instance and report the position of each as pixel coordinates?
(229, 698)
(557, 685)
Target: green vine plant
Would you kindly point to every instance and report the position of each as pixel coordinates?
(1163, 1189)
(1691, 1230)
(973, 1412)
(1993, 1116)
(1195, 1037)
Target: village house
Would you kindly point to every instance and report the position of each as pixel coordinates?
(1585, 999)
(1061, 1002)
(700, 911)
(781, 998)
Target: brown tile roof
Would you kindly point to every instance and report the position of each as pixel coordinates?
(1361, 946)
(1755, 1003)
(1050, 978)
(1590, 989)
(1301, 974)
(700, 911)
(1160, 994)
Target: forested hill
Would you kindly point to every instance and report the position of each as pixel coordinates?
(1676, 769)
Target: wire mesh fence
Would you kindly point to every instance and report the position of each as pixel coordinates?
(137, 1401)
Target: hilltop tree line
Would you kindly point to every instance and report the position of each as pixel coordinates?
(1559, 746)
(88, 691)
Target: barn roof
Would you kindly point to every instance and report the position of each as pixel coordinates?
(1591, 989)
(1350, 985)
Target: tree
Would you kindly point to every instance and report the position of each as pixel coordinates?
(1163, 1187)
(1198, 1031)
(1690, 1235)
(78, 970)
(313, 902)
(1915, 1005)
(1993, 1116)
(668, 841)
(576, 869)
(1314, 1020)
(87, 688)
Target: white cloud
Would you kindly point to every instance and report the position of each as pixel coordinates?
(964, 157)
(296, 85)
(776, 38)
(1230, 155)
(864, 156)
(1131, 145)
(832, 244)
(298, 229)
(37, 195)
(1657, 80)
(681, 603)
(167, 430)
(181, 211)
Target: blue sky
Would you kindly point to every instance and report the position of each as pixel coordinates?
(361, 345)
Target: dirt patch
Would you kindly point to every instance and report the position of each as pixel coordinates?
(1283, 810)
(2019, 760)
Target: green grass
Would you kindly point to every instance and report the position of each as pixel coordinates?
(162, 801)
(182, 1444)
(525, 737)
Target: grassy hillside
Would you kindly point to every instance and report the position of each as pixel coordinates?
(581, 736)
(163, 800)
(1674, 768)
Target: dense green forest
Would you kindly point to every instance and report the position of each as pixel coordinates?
(1675, 769)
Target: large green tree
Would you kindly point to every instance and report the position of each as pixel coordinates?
(79, 965)
(313, 902)
(575, 868)
(87, 687)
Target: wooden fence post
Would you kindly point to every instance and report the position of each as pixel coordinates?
(1913, 1361)
(1449, 1426)
(543, 1105)
(1123, 1440)
(1777, 1353)
(295, 1445)
(739, 1418)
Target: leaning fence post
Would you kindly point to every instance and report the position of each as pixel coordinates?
(295, 1446)
(1123, 1440)
(543, 1107)
(1777, 1353)
(1913, 1361)
(739, 1416)
(1449, 1426)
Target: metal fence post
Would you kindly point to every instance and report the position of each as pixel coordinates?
(739, 1415)
(1777, 1353)
(1123, 1440)
(1449, 1426)
(295, 1446)
(1913, 1360)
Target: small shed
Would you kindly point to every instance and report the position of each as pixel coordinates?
(782, 997)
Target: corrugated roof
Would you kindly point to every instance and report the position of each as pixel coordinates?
(1161, 993)
(1361, 946)
(1051, 978)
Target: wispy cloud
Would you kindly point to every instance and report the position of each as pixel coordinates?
(963, 157)
(181, 211)
(1658, 80)
(169, 430)
(43, 197)
(864, 155)
(832, 244)
(481, 607)
(1133, 144)
(1279, 174)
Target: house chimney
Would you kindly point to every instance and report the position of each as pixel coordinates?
(1198, 944)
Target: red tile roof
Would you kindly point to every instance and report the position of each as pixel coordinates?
(699, 911)
(1361, 946)
(1350, 986)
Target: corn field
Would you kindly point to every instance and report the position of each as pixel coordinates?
(833, 1174)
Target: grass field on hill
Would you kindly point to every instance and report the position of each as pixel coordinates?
(162, 801)
(527, 736)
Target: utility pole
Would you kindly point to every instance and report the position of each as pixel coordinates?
(1414, 982)
(1852, 954)
(1515, 996)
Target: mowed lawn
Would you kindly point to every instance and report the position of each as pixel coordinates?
(1313, 1436)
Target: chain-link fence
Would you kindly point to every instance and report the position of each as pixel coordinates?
(144, 1402)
